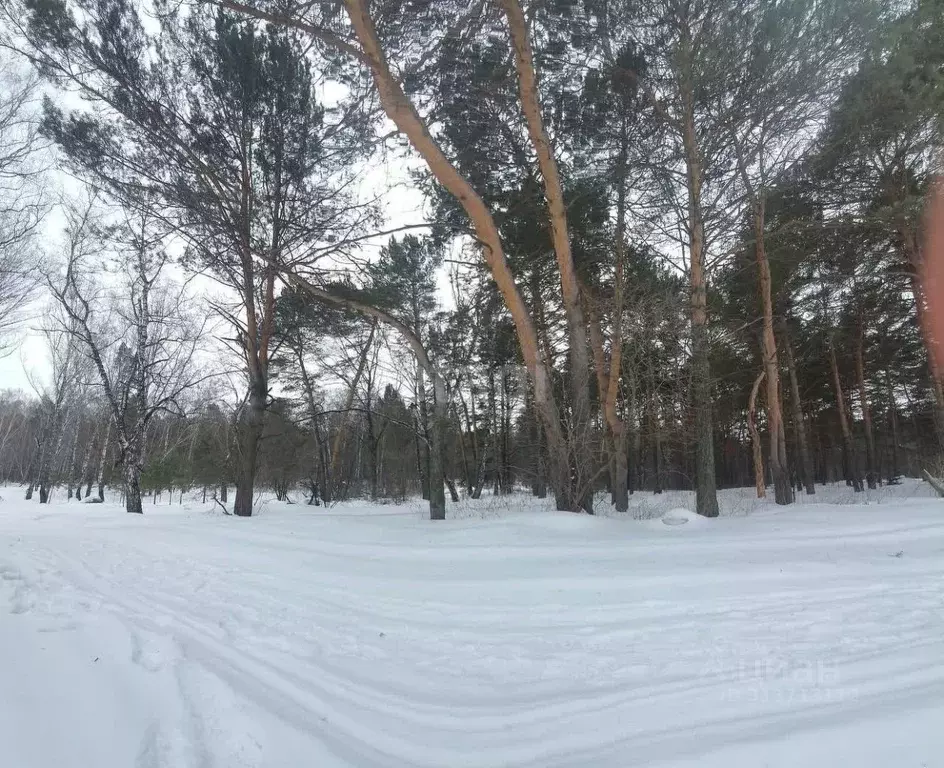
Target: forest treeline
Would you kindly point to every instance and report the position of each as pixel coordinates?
(667, 244)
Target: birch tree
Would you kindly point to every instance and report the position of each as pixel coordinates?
(137, 333)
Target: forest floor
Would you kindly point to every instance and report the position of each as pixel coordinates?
(361, 635)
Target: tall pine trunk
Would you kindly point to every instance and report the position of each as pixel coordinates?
(437, 433)
(422, 433)
(799, 423)
(783, 489)
(463, 451)
(325, 492)
(250, 432)
(871, 472)
(656, 422)
(852, 464)
(756, 449)
(893, 426)
(538, 480)
(706, 492)
(101, 462)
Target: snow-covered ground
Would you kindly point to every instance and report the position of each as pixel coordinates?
(509, 636)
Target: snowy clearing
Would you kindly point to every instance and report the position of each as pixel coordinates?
(365, 636)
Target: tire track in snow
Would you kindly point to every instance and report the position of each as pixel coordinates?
(531, 721)
(437, 685)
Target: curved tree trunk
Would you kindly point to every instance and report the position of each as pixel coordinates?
(402, 112)
(579, 490)
(437, 495)
(570, 469)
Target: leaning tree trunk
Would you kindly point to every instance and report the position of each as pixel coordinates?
(404, 115)
(250, 433)
(577, 485)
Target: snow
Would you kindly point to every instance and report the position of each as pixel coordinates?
(509, 635)
(680, 516)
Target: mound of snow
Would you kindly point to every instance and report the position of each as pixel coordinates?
(679, 516)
